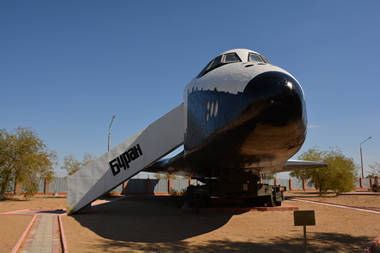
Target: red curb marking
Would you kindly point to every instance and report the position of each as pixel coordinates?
(22, 238)
(364, 209)
(63, 238)
(277, 208)
(241, 209)
(16, 211)
(20, 214)
(361, 193)
(36, 213)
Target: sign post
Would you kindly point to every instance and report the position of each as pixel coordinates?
(304, 218)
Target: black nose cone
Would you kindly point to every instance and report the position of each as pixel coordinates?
(276, 99)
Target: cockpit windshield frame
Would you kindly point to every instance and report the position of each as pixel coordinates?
(261, 59)
(235, 58)
(219, 61)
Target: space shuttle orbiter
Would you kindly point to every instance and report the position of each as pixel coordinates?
(242, 116)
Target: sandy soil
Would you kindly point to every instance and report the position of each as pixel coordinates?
(140, 224)
(11, 229)
(37, 202)
(12, 226)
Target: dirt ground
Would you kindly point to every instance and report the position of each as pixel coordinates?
(158, 224)
(11, 229)
(141, 224)
(37, 202)
(12, 226)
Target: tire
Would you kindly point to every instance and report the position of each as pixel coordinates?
(196, 198)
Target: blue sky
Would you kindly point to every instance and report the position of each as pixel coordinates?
(67, 66)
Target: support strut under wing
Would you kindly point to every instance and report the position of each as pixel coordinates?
(126, 160)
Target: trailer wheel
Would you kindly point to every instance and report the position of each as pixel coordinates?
(196, 197)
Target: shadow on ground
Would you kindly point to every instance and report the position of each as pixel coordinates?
(54, 197)
(318, 242)
(148, 219)
(159, 225)
(57, 211)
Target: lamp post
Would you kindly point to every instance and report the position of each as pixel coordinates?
(361, 154)
(109, 131)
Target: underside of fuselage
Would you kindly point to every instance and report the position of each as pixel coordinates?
(262, 126)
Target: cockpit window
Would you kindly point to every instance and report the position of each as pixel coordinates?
(219, 61)
(265, 59)
(257, 58)
(231, 57)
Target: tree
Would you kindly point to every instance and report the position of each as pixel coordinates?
(72, 165)
(312, 154)
(339, 176)
(5, 171)
(375, 170)
(24, 160)
(342, 171)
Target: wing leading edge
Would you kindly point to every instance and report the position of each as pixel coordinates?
(302, 164)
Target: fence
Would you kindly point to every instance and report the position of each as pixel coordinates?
(169, 186)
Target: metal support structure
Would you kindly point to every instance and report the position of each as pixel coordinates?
(109, 132)
(361, 154)
(305, 239)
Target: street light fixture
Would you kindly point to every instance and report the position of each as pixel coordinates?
(109, 131)
(361, 154)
